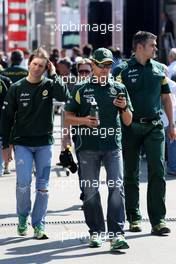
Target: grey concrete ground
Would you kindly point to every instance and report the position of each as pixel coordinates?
(67, 231)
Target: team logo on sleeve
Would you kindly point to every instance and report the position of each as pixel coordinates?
(113, 91)
(155, 70)
(45, 93)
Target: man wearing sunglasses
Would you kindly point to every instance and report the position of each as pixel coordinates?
(98, 140)
(84, 69)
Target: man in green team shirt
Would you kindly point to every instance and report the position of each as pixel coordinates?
(97, 140)
(147, 86)
(27, 120)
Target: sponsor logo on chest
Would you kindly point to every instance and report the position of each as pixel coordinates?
(25, 104)
(24, 97)
(133, 75)
(88, 94)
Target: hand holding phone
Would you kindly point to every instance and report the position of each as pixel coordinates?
(120, 100)
(121, 95)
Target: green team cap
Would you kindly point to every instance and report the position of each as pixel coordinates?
(102, 55)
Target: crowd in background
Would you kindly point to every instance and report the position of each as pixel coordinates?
(15, 67)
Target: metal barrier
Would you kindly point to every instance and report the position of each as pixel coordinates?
(67, 222)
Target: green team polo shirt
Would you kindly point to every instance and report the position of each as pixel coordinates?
(145, 84)
(107, 136)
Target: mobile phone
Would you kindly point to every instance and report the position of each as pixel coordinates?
(121, 95)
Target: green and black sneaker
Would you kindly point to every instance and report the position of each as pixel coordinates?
(22, 226)
(161, 229)
(95, 241)
(118, 243)
(39, 232)
(135, 226)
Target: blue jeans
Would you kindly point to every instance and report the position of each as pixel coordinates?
(171, 154)
(90, 163)
(24, 157)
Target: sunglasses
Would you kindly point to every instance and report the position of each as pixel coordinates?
(84, 71)
(103, 66)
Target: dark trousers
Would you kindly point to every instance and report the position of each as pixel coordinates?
(151, 135)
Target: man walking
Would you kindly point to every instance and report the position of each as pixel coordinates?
(27, 117)
(147, 86)
(96, 109)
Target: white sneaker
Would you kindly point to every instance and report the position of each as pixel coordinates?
(7, 171)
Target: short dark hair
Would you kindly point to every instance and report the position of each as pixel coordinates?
(141, 37)
(39, 53)
(16, 57)
(66, 61)
(87, 50)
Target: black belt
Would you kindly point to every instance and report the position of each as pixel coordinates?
(144, 120)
